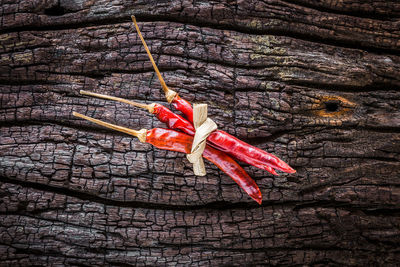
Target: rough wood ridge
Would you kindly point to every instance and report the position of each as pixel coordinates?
(314, 82)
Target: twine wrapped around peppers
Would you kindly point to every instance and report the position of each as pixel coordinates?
(181, 140)
(204, 126)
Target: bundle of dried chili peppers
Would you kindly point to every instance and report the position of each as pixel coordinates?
(221, 147)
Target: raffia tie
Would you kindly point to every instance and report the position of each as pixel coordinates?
(203, 126)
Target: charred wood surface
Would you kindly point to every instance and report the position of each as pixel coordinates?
(314, 82)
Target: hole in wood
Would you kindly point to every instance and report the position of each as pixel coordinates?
(331, 106)
(55, 11)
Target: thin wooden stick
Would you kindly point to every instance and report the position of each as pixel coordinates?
(139, 134)
(149, 107)
(169, 94)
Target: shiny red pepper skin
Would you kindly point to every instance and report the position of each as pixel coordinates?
(176, 141)
(259, 158)
(183, 106)
(235, 147)
(175, 121)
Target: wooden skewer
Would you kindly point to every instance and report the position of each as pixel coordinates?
(149, 107)
(141, 135)
(169, 94)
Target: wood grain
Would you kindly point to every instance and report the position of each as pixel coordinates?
(313, 82)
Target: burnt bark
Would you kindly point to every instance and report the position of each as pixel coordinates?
(316, 83)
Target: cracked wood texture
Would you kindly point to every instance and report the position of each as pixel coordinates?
(314, 82)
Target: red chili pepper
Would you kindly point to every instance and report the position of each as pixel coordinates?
(245, 152)
(173, 121)
(176, 141)
(225, 141)
(217, 139)
(168, 139)
(183, 106)
(241, 150)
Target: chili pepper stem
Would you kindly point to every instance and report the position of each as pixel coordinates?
(169, 94)
(149, 107)
(141, 134)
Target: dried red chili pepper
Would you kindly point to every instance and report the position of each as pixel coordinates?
(183, 106)
(216, 139)
(173, 121)
(240, 149)
(176, 141)
(163, 114)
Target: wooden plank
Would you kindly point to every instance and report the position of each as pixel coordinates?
(315, 83)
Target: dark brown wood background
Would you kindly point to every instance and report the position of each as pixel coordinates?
(314, 82)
